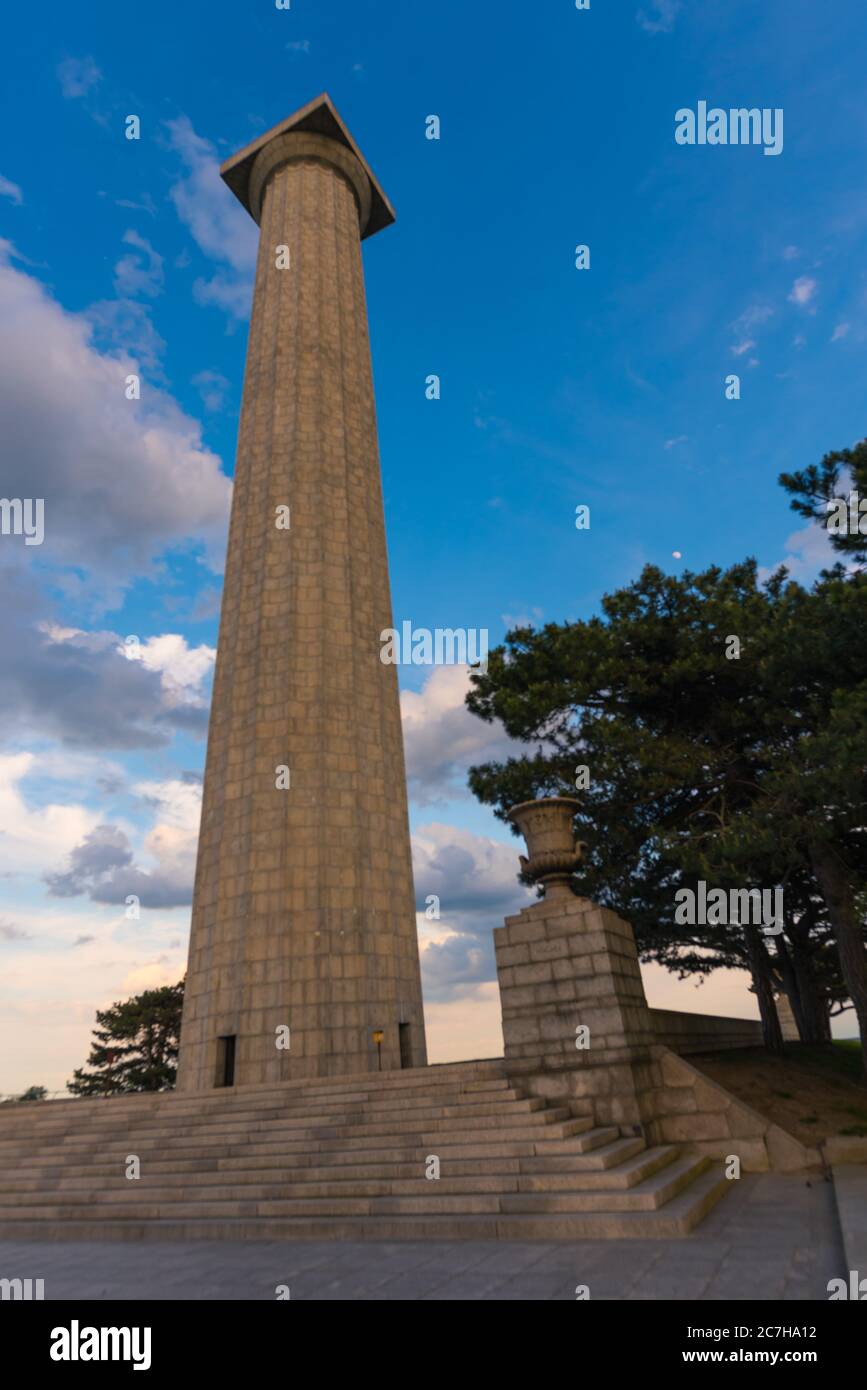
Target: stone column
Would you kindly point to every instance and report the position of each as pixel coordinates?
(563, 965)
(304, 911)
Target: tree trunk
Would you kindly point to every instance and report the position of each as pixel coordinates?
(788, 983)
(833, 879)
(801, 987)
(816, 1027)
(760, 969)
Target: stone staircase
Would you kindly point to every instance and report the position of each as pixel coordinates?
(341, 1158)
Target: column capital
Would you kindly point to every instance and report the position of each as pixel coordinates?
(324, 137)
(305, 144)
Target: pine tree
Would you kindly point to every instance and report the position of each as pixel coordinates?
(686, 733)
(135, 1045)
(814, 490)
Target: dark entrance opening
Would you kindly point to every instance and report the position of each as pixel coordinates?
(226, 1061)
(405, 1044)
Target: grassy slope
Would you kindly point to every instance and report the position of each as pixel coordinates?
(812, 1092)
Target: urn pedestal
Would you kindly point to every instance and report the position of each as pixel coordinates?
(576, 1025)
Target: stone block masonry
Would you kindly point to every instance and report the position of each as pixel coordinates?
(304, 910)
(577, 1028)
(563, 965)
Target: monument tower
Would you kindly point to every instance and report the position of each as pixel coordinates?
(303, 909)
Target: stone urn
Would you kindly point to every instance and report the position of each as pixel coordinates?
(554, 853)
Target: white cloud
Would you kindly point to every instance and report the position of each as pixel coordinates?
(8, 189)
(76, 689)
(673, 443)
(475, 880)
(803, 290)
(28, 836)
(77, 76)
(218, 223)
(840, 331)
(212, 387)
(173, 841)
(124, 328)
(754, 315)
(530, 618)
(467, 872)
(661, 17)
(807, 552)
(182, 669)
(146, 204)
(744, 326)
(179, 801)
(123, 481)
(443, 739)
(105, 866)
(224, 291)
(142, 274)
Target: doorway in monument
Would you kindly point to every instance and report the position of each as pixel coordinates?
(405, 1044)
(225, 1061)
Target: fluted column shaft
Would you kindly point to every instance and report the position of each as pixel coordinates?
(303, 910)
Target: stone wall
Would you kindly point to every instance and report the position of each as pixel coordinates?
(687, 1033)
(565, 965)
(691, 1109)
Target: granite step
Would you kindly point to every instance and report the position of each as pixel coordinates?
(648, 1194)
(105, 1116)
(387, 1166)
(341, 1198)
(423, 1081)
(341, 1158)
(310, 1127)
(631, 1171)
(603, 1155)
(407, 1150)
(676, 1219)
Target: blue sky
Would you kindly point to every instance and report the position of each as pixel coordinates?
(559, 387)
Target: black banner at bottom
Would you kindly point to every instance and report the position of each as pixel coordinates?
(167, 1339)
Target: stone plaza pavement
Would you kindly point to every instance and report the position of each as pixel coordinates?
(772, 1237)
